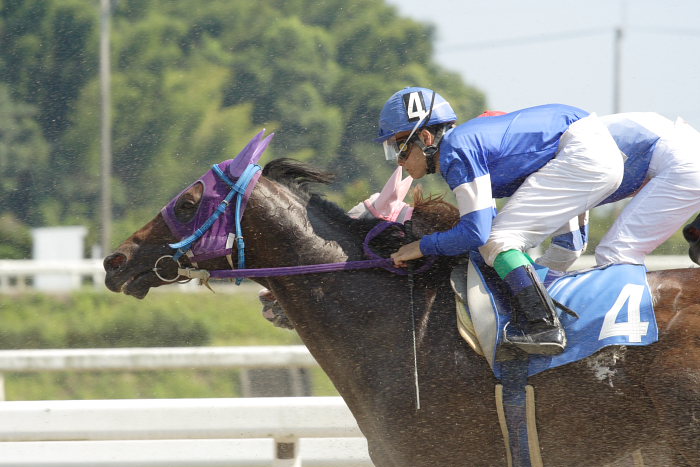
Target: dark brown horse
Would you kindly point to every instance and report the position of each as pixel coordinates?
(358, 325)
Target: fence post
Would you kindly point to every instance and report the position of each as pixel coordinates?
(287, 452)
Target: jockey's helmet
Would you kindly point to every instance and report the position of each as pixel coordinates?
(408, 110)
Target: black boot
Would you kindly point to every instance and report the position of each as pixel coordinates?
(535, 327)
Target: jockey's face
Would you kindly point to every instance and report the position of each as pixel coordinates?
(414, 163)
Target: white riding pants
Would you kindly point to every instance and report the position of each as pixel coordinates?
(587, 168)
(666, 202)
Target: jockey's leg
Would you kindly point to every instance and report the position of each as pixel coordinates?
(588, 167)
(535, 327)
(670, 198)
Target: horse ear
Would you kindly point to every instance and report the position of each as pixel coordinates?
(391, 198)
(250, 154)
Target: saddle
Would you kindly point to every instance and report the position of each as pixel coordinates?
(613, 303)
(614, 308)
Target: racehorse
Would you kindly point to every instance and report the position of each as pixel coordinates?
(436, 407)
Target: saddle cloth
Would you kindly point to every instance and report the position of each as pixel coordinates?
(613, 302)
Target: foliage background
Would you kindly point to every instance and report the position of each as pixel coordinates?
(192, 82)
(90, 319)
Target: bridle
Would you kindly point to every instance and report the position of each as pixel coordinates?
(245, 183)
(238, 191)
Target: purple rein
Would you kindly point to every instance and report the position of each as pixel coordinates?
(375, 261)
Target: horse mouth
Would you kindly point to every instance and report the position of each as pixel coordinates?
(139, 284)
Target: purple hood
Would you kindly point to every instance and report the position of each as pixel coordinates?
(218, 240)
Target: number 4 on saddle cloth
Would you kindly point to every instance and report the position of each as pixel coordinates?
(613, 303)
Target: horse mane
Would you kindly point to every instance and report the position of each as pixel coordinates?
(299, 176)
(291, 172)
(438, 213)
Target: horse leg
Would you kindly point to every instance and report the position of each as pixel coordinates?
(272, 310)
(673, 383)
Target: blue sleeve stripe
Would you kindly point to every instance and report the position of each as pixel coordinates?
(471, 232)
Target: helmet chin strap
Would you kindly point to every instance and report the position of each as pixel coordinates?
(430, 151)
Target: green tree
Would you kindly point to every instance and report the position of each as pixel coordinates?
(23, 157)
(193, 81)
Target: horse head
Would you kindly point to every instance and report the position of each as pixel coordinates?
(174, 239)
(191, 223)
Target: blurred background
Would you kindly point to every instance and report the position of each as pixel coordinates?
(605, 56)
(110, 108)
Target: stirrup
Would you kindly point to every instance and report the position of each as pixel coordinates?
(549, 341)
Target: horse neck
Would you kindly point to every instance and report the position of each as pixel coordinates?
(358, 325)
(339, 314)
(284, 228)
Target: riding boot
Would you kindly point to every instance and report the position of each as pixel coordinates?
(535, 327)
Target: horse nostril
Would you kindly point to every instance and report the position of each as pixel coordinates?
(114, 261)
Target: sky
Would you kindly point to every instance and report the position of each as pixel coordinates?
(525, 53)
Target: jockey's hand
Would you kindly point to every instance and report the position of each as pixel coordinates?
(406, 253)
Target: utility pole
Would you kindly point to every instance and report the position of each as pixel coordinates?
(617, 58)
(617, 65)
(106, 128)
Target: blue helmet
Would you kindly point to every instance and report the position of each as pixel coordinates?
(407, 109)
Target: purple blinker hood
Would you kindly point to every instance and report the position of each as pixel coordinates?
(218, 240)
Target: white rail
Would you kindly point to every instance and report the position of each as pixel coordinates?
(17, 275)
(246, 432)
(285, 419)
(315, 452)
(143, 419)
(653, 262)
(153, 358)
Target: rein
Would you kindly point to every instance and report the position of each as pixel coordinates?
(375, 261)
(238, 190)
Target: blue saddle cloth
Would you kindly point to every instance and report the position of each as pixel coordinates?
(613, 302)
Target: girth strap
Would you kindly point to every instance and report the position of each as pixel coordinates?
(515, 401)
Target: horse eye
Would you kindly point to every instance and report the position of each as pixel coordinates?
(186, 207)
(185, 210)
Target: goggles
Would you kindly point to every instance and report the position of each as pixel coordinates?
(398, 151)
(395, 151)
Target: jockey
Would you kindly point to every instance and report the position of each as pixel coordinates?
(554, 162)
(662, 174)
